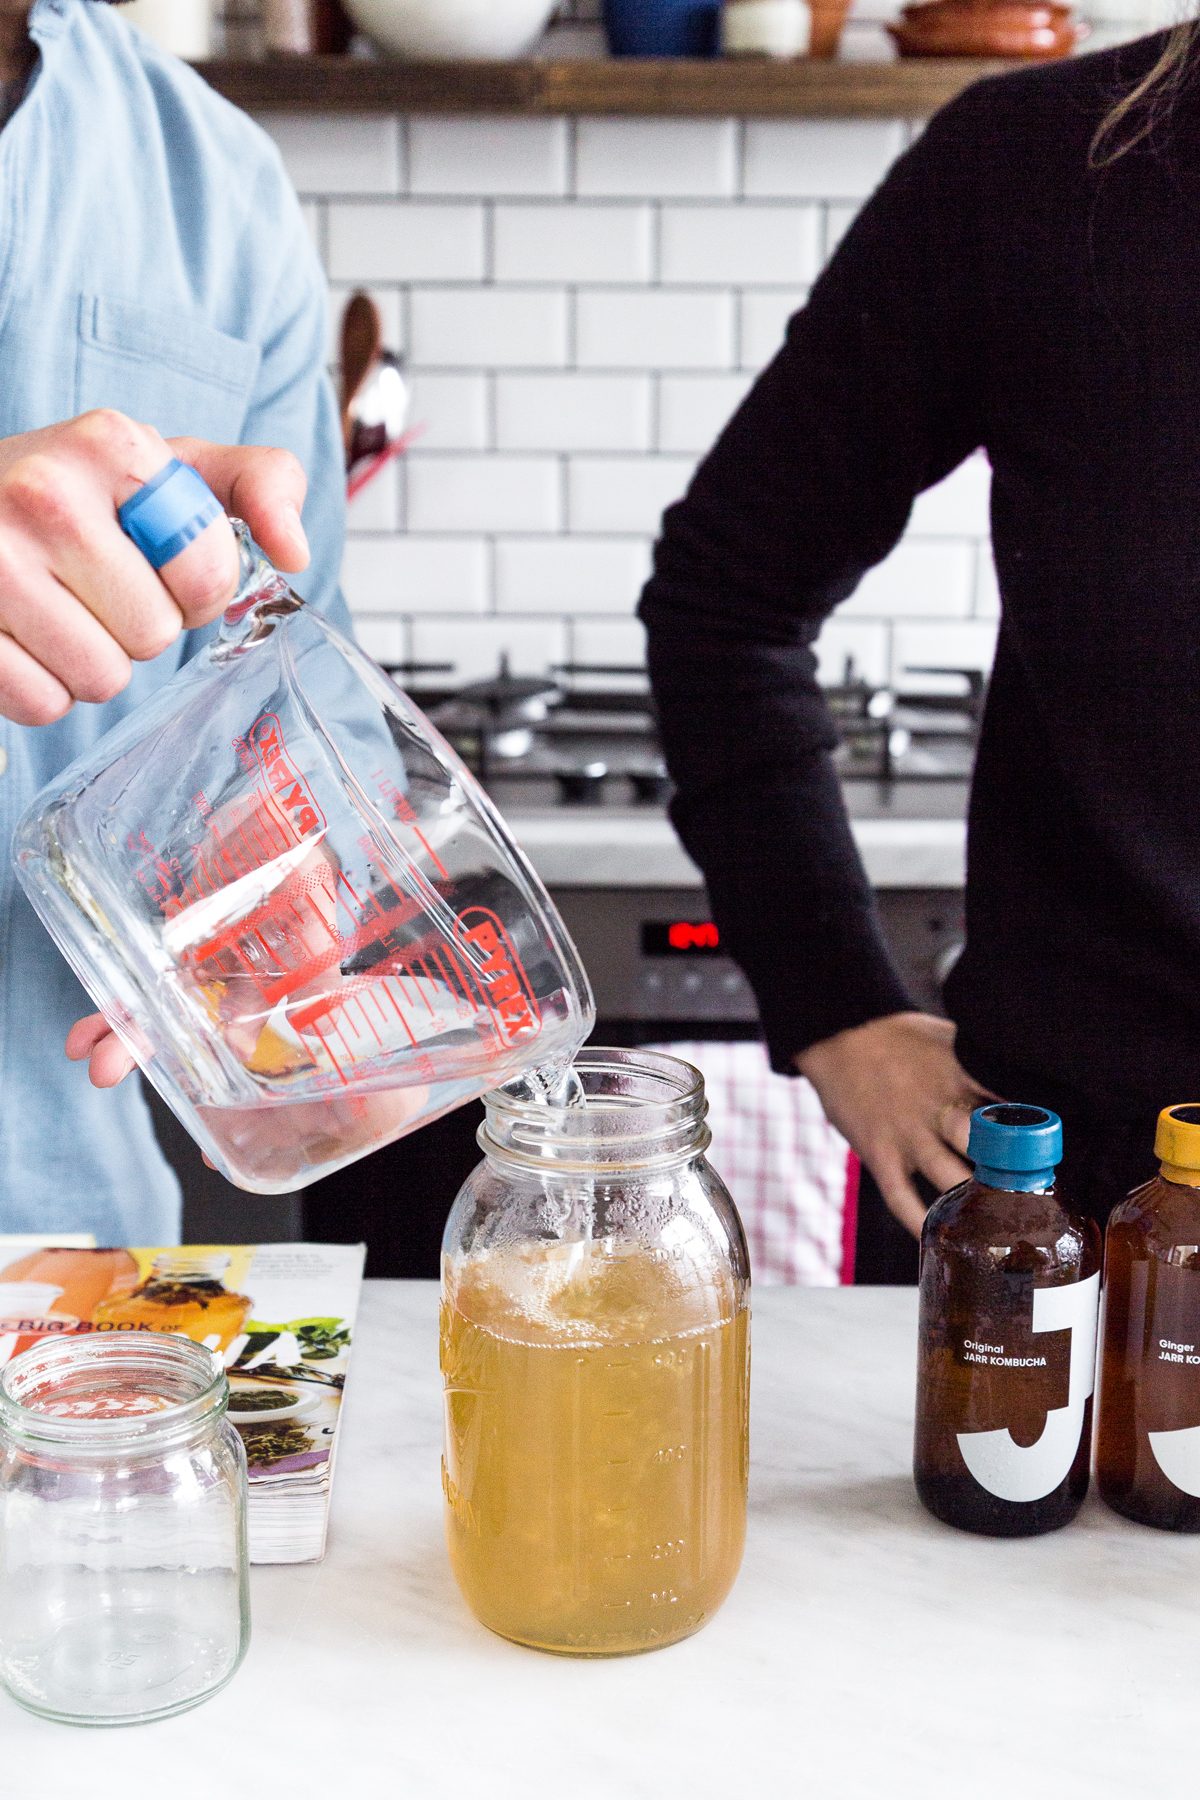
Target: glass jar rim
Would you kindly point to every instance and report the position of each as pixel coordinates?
(642, 1109)
(117, 1354)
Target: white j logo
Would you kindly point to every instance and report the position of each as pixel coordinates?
(1003, 1467)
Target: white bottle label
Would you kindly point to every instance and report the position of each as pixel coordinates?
(1177, 1454)
(1005, 1468)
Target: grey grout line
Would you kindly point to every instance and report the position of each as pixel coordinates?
(489, 243)
(572, 159)
(491, 403)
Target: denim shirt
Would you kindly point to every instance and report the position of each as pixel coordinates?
(153, 258)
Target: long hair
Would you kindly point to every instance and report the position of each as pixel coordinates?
(1136, 113)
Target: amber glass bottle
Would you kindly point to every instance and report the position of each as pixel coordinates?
(1148, 1434)
(1009, 1289)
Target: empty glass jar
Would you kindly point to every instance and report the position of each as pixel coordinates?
(595, 1356)
(123, 1568)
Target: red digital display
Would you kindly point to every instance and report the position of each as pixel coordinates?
(680, 937)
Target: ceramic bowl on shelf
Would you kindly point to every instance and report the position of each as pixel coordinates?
(436, 30)
(1033, 29)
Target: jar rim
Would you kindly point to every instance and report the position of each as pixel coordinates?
(616, 1126)
(163, 1354)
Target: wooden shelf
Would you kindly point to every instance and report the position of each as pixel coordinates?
(806, 89)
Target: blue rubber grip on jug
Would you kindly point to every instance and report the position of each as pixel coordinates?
(166, 514)
(1015, 1147)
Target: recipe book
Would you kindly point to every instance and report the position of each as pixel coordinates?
(280, 1316)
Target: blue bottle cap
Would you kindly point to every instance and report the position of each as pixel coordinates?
(1014, 1146)
(166, 514)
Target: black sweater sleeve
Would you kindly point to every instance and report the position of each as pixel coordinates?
(872, 398)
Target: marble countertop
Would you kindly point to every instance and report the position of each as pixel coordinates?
(616, 847)
(866, 1653)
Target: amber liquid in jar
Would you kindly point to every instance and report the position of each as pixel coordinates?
(1148, 1432)
(184, 1294)
(596, 1444)
(1009, 1283)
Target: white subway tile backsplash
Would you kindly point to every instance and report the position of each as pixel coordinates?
(376, 507)
(693, 409)
(658, 158)
(764, 316)
(819, 159)
(313, 214)
(573, 412)
(532, 646)
(970, 644)
(452, 408)
(921, 579)
(957, 506)
(574, 242)
(332, 153)
(570, 574)
(474, 155)
(484, 493)
(659, 328)
(724, 246)
(839, 216)
(488, 328)
(417, 574)
(369, 574)
(405, 240)
(582, 304)
(987, 587)
(624, 493)
(611, 643)
(384, 639)
(859, 647)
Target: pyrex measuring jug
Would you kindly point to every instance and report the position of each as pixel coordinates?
(294, 904)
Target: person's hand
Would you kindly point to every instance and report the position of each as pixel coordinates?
(78, 600)
(92, 1040)
(895, 1089)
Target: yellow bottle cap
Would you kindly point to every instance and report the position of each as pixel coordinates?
(1177, 1144)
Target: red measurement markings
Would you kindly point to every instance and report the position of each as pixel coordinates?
(454, 979)
(434, 858)
(329, 930)
(324, 1042)
(399, 1011)
(419, 969)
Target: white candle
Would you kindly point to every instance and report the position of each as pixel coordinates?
(765, 28)
(181, 26)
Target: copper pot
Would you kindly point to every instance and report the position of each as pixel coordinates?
(1031, 29)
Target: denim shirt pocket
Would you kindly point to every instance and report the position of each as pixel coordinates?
(165, 368)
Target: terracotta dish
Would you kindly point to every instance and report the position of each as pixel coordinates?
(828, 18)
(1007, 28)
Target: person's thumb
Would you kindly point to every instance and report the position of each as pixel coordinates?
(264, 487)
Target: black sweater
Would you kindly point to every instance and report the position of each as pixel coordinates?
(998, 292)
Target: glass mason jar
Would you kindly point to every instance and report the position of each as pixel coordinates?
(123, 1568)
(595, 1359)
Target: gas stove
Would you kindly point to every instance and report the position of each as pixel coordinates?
(584, 736)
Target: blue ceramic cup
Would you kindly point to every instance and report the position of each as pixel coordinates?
(661, 27)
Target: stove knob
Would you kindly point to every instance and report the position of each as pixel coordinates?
(651, 787)
(583, 786)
